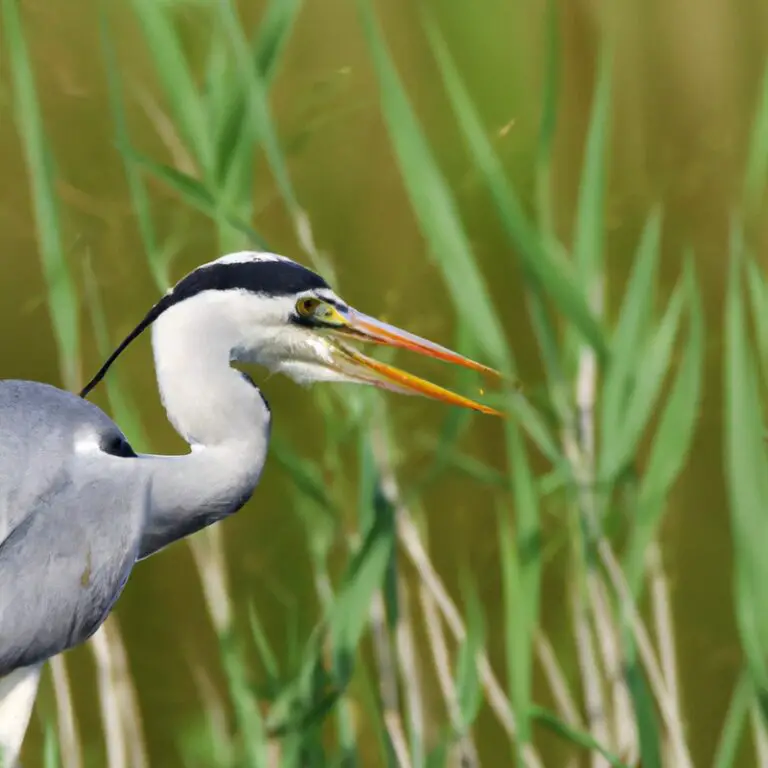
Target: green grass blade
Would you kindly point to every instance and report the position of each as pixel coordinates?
(366, 574)
(274, 31)
(454, 423)
(315, 691)
(294, 752)
(51, 757)
(249, 722)
(590, 224)
(553, 723)
(757, 159)
(535, 426)
(439, 754)
(528, 523)
(538, 310)
(232, 138)
(632, 328)
(645, 716)
(173, 69)
(345, 730)
(555, 277)
(732, 732)
(266, 654)
(257, 104)
(747, 479)
(475, 469)
(524, 557)
(195, 193)
(372, 702)
(366, 485)
(673, 439)
(306, 477)
(124, 409)
(441, 449)
(513, 600)
(61, 289)
(548, 123)
(434, 205)
(140, 202)
(220, 90)
(469, 692)
(521, 574)
(654, 365)
(758, 295)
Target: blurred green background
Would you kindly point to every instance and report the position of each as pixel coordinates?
(686, 79)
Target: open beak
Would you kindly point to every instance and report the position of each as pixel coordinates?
(354, 325)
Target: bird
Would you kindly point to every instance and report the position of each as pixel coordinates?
(79, 507)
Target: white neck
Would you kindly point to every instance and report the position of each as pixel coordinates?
(216, 410)
(207, 401)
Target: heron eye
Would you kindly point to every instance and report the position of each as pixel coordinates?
(307, 305)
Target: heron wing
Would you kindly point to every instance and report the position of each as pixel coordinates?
(70, 523)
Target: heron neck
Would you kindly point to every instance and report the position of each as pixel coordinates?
(207, 401)
(220, 413)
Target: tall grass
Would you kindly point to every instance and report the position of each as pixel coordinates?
(396, 670)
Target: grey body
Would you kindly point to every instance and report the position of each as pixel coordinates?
(82, 512)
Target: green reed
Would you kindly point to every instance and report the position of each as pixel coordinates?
(41, 172)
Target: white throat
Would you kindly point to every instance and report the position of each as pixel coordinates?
(207, 401)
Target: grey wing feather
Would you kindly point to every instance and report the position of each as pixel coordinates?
(70, 521)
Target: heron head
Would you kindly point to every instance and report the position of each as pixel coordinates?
(293, 323)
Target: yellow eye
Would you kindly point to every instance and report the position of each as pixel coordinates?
(307, 305)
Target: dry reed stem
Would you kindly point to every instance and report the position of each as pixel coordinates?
(119, 707)
(558, 685)
(582, 468)
(591, 678)
(441, 658)
(166, 130)
(625, 737)
(389, 487)
(70, 748)
(112, 725)
(662, 614)
(387, 676)
(661, 608)
(580, 450)
(594, 701)
(129, 705)
(409, 668)
(497, 699)
(274, 754)
(207, 547)
(667, 707)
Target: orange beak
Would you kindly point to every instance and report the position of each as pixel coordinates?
(351, 324)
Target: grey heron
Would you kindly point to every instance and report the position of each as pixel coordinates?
(79, 507)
